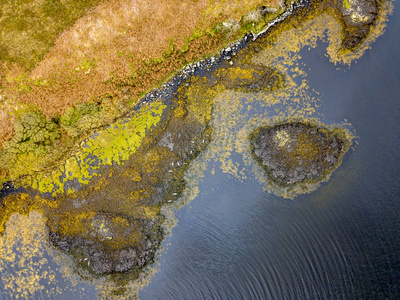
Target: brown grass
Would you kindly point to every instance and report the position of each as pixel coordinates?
(100, 51)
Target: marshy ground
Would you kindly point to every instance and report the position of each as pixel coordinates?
(102, 184)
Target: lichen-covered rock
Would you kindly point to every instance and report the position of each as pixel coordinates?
(105, 243)
(298, 152)
(359, 12)
(358, 16)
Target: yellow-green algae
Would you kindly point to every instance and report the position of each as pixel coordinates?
(107, 146)
(232, 118)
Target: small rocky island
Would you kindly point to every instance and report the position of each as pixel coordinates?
(294, 153)
(104, 243)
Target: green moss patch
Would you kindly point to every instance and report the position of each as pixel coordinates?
(33, 133)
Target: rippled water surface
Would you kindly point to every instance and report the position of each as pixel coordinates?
(235, 241)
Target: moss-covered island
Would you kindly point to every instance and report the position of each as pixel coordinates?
(105, 125)
(297, 154)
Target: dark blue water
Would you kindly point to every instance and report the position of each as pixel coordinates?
(235, 241)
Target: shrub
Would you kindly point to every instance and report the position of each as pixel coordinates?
(33, 133)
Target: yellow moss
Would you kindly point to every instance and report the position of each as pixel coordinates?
(151, 211)
(136, 195)
(108, 146)
(180, 112)
(306, 148)
(198, 100)
(136, 176)
(237, 74)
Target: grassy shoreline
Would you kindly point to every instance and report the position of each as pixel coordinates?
(37, 134)
(25, 91)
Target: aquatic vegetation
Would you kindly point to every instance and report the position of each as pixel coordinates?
(250, 78)
(107, 200)
(348, 37)
(357, 18)
(28, 233)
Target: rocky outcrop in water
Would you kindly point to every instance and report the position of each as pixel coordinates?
(114, 224)
(298, 152)
(106, 243)
(358, 16)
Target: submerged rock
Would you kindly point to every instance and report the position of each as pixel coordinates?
(298, 152)
(7, 188)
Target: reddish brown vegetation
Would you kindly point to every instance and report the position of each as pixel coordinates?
(113, 46)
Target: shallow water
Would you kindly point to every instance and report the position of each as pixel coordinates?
(236, 241)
